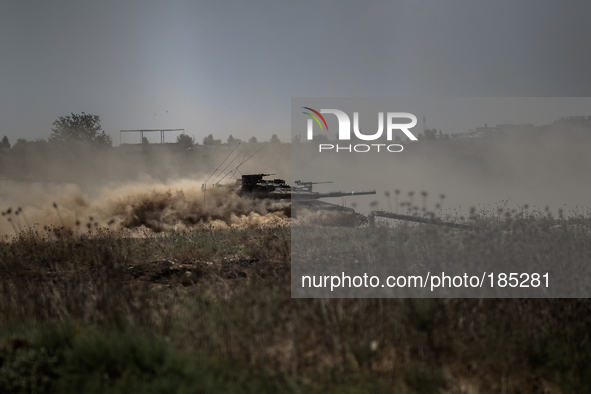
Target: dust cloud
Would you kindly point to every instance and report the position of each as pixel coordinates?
(158, 207)
(156, 189)
(548, 167)
(159, 188)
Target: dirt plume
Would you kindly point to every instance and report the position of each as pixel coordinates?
(146, 205)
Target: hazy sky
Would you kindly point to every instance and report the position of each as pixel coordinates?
(231, 67)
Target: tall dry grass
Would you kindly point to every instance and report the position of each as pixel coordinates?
(218, 303)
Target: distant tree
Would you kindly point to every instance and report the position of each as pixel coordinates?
(253, 140)
(233, 141)
(145, 141)
(209, 140)
(430, 134)
(275, 139)
(21, 144)
(80, 128)
(185, 141)
(296, 139)
(5, 143)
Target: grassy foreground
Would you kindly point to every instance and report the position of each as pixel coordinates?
(211, 311)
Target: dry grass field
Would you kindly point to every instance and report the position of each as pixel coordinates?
(210, 310)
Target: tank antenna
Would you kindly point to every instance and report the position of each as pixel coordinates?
(214, 171)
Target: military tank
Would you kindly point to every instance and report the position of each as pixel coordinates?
(301, 194)
(254, 185)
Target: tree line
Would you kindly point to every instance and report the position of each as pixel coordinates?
(86, 129)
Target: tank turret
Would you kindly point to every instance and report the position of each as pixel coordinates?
(256, 186)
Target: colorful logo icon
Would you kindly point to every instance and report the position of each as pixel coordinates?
(315, 118)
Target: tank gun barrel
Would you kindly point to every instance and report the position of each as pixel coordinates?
(343, 194)
(310, 183)
(317, 195)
